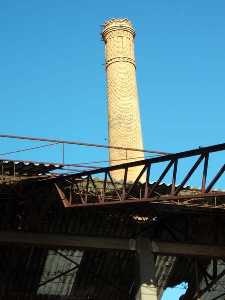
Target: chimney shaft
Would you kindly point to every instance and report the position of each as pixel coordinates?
(124, 125)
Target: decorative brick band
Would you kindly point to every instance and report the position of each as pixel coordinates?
(120, 59)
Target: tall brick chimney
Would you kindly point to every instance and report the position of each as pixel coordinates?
(124, 125)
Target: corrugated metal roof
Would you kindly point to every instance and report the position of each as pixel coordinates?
(24, 168)
(57, 262)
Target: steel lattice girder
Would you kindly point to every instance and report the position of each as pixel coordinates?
(99, 187)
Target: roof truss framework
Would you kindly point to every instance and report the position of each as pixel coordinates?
(98, 187)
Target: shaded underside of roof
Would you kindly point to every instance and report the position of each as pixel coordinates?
(100, 274)
(33, 272)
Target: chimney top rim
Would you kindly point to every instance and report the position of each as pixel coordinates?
(115, 24)
(119, 21)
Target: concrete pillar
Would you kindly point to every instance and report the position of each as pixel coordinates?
(124, 123)
(147, 281)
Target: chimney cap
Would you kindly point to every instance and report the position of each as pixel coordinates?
(118, 21)
(117, 24)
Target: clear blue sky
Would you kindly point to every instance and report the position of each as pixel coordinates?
(174, 293)
(52, 78)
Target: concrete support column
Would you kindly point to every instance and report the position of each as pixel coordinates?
(147, 282)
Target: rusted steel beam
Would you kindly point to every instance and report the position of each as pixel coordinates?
(161, 178)
(124, 184)
(189, 174)
(147, 181)
(115, 188)
(174, 178)
(136, 181)
(205, 171)
(183, 200)
(216, 178)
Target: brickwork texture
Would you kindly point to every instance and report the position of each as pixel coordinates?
(124, 124)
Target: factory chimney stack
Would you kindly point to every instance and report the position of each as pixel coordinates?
(124, 125)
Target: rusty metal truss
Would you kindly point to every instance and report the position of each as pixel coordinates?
(99, 187)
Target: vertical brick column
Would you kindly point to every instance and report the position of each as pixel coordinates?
(124, 125)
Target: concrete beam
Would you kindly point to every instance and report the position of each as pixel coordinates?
(192, 249)
(53, 240)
